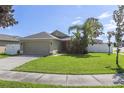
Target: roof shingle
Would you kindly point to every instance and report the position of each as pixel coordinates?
(4, 37)
(41, 35)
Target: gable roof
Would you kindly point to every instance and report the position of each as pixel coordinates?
(41, 35)
(59, 34)
(4, 37)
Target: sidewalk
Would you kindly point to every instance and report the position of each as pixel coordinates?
(65, 80)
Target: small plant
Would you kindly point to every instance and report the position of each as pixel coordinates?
(18, 52)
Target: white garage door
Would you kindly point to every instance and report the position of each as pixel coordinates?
(36, 48)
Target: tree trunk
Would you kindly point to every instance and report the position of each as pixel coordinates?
(117, 55)
(109, 50)
(109, 45)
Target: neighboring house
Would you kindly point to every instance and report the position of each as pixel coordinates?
(44, 43)
(7, 39)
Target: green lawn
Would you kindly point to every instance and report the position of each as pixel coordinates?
(3, 55)
(92, 63)
(14, 84)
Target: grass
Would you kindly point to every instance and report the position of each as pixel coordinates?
(92, 63)
(14, 84)
(114, 51)
(3, 56)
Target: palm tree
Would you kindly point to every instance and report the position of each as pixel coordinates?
(76, 38)
(93, 29)
(85, 33)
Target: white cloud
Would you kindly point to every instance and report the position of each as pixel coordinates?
(110, 26)
(104, 15)
(76, 22)
(78, 17)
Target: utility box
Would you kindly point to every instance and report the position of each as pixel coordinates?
(12, 49)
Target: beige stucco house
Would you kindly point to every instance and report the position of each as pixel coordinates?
(44, 43)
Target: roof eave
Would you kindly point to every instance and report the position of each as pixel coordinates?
(38, 39)
(9, 40)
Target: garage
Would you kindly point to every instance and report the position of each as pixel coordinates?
(38, 47)
(41, 43)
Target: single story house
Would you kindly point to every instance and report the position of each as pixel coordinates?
(7, 39)
(44, 43)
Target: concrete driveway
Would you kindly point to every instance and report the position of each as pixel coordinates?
(10, 63)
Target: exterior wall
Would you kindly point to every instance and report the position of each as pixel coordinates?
(55, 46)
(2, 49)
(65, 46)
(36, 47)
(100, 48)
(46, 47)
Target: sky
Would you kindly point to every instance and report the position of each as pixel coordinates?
(34, 19)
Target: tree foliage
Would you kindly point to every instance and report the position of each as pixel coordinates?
(118, 16)
(93, 29)
(85, 34)
(110, 34)
(76, 39)
(6, 16)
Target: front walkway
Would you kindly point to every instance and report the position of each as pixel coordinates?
(15, 61)
(65, 80)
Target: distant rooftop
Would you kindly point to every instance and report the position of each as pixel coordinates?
(4, 37)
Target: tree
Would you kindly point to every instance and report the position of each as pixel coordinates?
(110, 34)
(6, 16)
(93, 29)
(87, 32)
(118, 17)
(76, 39)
